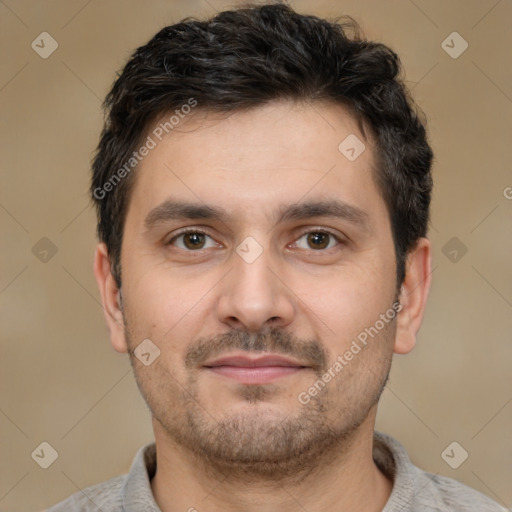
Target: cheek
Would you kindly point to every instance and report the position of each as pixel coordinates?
(158, 300)
(347, 301)
(167, 310)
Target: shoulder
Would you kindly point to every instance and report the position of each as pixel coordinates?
(109, 496)
(106, 497)
(445, 494)
(420, 491)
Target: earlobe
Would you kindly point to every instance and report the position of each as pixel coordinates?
(413, 296)
(110, 297)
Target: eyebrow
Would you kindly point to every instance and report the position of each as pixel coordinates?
(334, 208)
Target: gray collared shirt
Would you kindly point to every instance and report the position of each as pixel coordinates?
(413, 489)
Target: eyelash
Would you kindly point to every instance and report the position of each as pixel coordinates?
(200, 231)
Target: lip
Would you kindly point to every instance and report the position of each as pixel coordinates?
(247, 360)
(248, 369)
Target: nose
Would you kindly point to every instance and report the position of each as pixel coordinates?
(255, 295)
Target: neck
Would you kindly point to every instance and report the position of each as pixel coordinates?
(348, 480)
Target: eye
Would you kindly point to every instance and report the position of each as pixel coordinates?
(318, 240)
(196, 240)
(191, 240)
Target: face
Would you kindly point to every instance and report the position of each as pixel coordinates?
(254, 254)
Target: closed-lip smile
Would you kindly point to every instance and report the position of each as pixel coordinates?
(254, 369)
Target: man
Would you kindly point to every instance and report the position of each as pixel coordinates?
(262, 186)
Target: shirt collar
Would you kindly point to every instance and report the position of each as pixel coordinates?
(136, 493)
(389, 455)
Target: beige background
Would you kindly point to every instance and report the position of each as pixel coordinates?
(61, 382)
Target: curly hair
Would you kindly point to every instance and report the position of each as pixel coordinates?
(244, 58)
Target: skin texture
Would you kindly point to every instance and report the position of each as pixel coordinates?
(230, 446)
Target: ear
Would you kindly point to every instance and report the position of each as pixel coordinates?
(110, 297)
(413, 296)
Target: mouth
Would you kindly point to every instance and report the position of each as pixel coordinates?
(248, 369)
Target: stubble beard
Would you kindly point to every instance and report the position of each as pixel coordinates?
(261, 443)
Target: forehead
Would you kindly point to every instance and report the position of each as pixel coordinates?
(280, 153)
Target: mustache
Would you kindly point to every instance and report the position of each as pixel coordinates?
(308, 351)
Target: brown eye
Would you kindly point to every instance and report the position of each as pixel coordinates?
(317, 240)
(191, 241)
